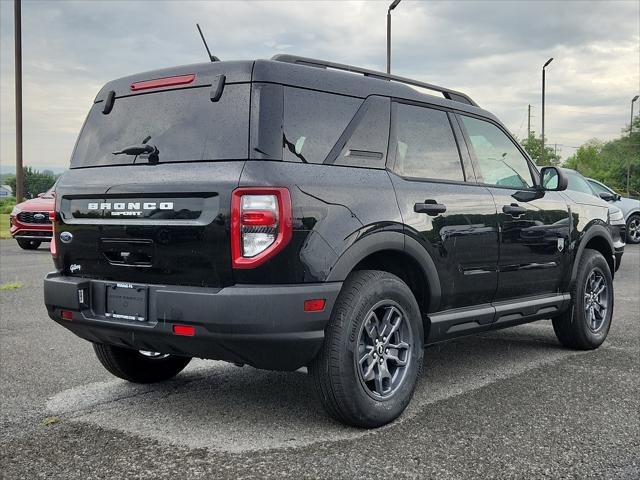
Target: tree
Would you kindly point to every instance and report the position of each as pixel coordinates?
(608, 161)
(533, 146)
(587, 159)
(34, 182)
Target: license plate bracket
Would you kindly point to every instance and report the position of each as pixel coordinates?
(126, 301)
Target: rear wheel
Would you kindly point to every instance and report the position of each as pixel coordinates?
(28, 244)
(586, 324)
(139, 366)
(367, 369)
(633, 229)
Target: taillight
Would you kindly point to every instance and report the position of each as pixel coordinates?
(52, 245)
(261, 224)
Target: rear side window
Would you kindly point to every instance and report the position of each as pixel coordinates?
(425, 145)
(364, 143)
(183, 124)
(313, 123)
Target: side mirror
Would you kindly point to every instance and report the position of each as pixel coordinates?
(552, 179)
(608, 196)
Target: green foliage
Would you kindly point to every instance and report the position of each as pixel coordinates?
(7, 204)
(533, 146)
(34, 182)
(607, 161)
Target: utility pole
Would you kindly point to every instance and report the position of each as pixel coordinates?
(543, 86)
(393, 5)
(529, 123)
(630, 140)
(17, 19)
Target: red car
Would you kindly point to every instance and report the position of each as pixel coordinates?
(30, 224)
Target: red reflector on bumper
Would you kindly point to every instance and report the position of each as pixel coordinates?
(66, 315)
(315, 305)
(184, 330)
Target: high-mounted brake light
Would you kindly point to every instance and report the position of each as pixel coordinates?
(53, 247)
(261, 224)
(163, 82)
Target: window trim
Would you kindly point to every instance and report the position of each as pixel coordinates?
(535, 174)
(393, 142)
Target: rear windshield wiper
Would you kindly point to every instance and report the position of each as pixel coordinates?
(143, 149)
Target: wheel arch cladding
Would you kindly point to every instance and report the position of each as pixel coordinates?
(398, 254)
(596, 238)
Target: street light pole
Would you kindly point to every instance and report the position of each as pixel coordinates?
(543, 87)
(630, 140)
(17, 19)
(393, 5)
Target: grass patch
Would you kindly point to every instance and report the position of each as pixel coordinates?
(10, 286)
(4, 226)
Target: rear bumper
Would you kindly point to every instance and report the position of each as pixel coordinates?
(261, 325)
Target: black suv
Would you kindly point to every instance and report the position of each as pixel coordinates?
(294, 212)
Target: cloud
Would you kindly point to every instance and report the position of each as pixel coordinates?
(492, 50)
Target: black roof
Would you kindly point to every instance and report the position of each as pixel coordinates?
(312, 74)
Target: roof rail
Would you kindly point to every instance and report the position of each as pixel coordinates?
(312, 62)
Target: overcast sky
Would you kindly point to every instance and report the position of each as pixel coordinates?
(494, 51)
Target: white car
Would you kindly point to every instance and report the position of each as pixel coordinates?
(630, 208)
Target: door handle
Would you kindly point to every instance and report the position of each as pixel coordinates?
(430, 207)
(514, 210)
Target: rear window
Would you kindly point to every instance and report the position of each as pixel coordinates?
(183, 124)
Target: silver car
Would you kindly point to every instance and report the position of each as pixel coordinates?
(630, 208)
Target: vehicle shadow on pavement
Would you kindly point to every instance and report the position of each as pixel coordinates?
(222, 407)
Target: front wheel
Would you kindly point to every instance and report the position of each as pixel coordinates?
(586, 324)
(28, 244)
(139, 366)
(367, 370)
(633, 229)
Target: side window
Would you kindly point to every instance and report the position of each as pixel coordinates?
(599, 188)
(313, 123)
(500, 161)
(366, 138)
(425, 145)
(577, 183)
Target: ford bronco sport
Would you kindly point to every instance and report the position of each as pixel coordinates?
(295, 212)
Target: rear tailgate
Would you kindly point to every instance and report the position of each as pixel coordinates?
(163, 224)
(159, 215)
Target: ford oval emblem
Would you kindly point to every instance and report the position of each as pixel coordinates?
(39, 216)
(66, 237)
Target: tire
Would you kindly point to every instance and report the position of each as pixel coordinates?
(575, 328)
(633, 229)
(365, 396)
(28, 244)
(136, 367)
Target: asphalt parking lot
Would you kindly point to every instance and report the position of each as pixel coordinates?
(508, 404)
